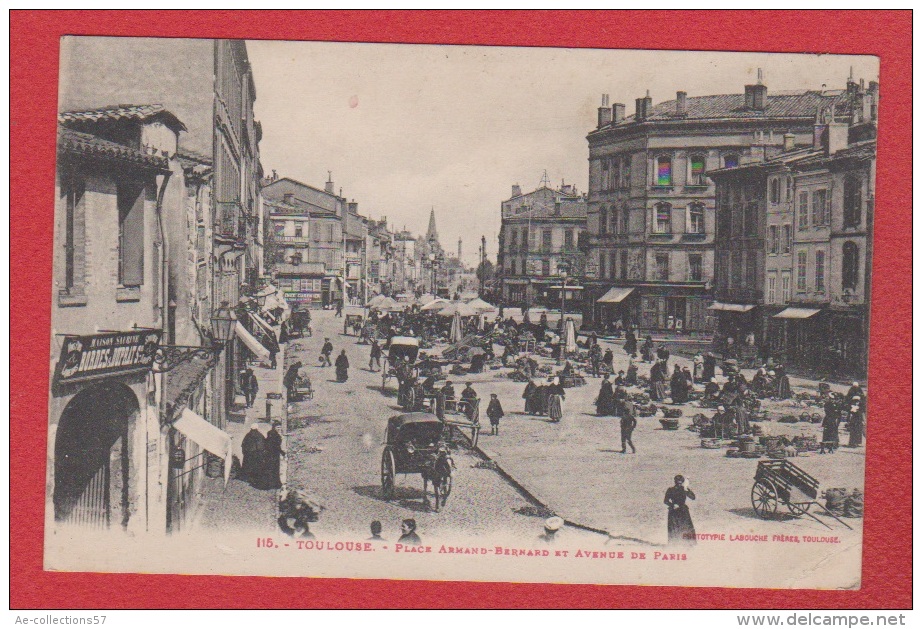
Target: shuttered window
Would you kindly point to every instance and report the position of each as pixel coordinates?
(131, 197)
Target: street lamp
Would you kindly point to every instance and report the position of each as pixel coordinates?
(222, 323)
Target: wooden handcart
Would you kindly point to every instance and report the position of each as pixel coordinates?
(780, 481)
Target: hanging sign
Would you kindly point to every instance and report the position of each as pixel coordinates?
(101, 355)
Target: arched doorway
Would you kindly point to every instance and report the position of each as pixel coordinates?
(91, 457)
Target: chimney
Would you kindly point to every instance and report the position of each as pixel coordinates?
(617, 111)
(644, 107)
(328, 186)
(516, 190)
(353, 207)
(836, 137)
(788, 142)
(681, 108)
(604, 112)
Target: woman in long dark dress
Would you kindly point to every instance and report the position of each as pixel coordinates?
(678, 386)
(555, 400)
(604, 404)
(630, 344)
(782, 384)
(342, 367)
(680, 526)
(646, 350)
(658, 382)
(855, 423)
(529, 397)
(272, 459)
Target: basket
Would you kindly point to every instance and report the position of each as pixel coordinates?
(733, 454)
(672, 413)
(711, 444)
(669, 424)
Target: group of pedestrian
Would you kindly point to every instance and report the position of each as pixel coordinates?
(262, 457)
(545, 399)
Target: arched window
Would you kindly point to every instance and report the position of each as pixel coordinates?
(696, 170)
(603, 220)
(605, 174)
(850, 260)
(663, 171)
(663, 218)
(623, 228)
(731, 160)
(615, 219)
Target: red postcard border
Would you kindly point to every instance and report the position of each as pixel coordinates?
(887, 567)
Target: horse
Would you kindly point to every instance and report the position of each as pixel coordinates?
(438, 472)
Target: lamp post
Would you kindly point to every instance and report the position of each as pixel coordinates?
(562, 271)
(223, 320)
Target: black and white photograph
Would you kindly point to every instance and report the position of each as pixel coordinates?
(466, 313)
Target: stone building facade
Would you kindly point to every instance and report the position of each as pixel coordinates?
(651, 204)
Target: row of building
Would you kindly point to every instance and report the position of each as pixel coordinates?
(175, 260)
(741, 215)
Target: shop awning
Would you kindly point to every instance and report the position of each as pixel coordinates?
(731, 307)
(250, 341)
(614, 295)
(796, 313)
(263, 324)
(208, 436)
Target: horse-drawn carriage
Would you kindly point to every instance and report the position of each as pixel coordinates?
(401, 355)
(353, 320)
(299, 324)
(414, 443)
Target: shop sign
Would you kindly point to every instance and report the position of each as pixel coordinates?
(101, 355)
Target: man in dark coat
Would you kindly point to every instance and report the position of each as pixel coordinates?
(325, 353)
(342, 367)
(291, 377)
(630, 344)
(609, 360)
(628, 424)
(249, 385)
(254, 455)
(272, 461)
(374, 362)
(495, 413)
(470, 396)
(529, 396)
(710, 367)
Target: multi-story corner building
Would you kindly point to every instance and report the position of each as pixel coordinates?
(651, 204)
(209, 207)
(794, 242)
(321, 243)
(540, 236)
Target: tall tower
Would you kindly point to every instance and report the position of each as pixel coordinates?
(432, 234)
(459, 248)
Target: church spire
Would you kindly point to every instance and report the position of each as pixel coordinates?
(432, 233)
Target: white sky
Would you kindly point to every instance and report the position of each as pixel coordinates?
(408, 127)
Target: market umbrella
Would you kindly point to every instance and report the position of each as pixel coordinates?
(375, 301)
(427, 298)
(480, 305)
(569, 336)
(455, 328)
(460, 308)
(436, 304)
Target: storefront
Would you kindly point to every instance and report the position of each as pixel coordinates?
(613, 306)
(805, 336)
(98, 438)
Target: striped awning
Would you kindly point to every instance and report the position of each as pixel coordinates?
(250, 341)
(796, 313)
(615, 295)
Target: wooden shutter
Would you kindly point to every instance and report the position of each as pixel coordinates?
(131, 197)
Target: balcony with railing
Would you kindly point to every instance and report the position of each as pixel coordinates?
(291, 240)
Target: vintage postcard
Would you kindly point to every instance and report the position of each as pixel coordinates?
(460, 313)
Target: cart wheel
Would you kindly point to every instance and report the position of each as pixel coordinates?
(764, 498)
(799, 508)
(387, 474)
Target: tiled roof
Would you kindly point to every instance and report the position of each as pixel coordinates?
(85, 144)
(195, 164)
(723, 106)
(857, 151)
(120, 113)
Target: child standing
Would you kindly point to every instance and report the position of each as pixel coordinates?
(494, 412)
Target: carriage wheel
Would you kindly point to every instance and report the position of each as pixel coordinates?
(799, 508)
(409, 402)
(764, 498)
(387, 474)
